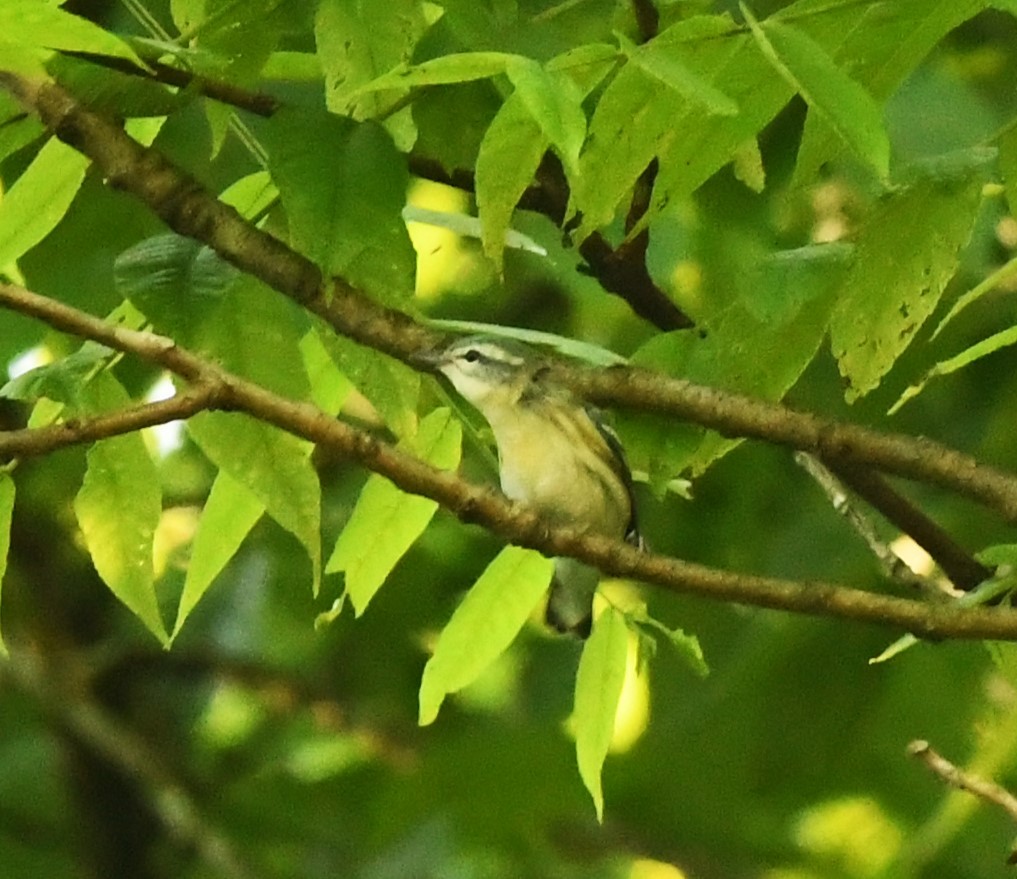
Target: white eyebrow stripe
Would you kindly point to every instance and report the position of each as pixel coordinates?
(490, 352)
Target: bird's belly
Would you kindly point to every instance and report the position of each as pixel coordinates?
(565, 492)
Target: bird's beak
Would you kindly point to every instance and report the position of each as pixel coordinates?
(430, 360)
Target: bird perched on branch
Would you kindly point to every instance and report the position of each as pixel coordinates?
(554, 454)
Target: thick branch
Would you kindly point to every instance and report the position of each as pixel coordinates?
(512, 522)
(190, 210)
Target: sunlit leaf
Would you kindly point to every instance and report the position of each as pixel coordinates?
(118, 509)
(599, 683)
(445, 70)
(662, 60)
(33, 23)
(274, 466)
(483, 626)
(39, 198)
(387, 521)
(391, 386)
(638, 118)
(6, 513)
(229, 514)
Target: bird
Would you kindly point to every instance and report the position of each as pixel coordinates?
(555, 454)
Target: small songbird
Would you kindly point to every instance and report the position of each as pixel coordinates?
(554, 454)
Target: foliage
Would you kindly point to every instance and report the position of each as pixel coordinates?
(812, 184)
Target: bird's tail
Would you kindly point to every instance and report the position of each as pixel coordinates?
(570, 603)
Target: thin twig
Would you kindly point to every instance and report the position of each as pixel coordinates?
(893, 566)
(959, 566)
(958, 778)
(514, 523)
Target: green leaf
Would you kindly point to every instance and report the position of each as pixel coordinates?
(118, 509)
(329, 388)
(784, 309)
(27, 61)
(884, 42)
(175, 281)
(990, 282)
(599, 683)
(662, 61)
(586, 65)
(901, 269)
(357, 41)
(343, 185)
(61, 381)
(391, 386)
(39, 198)
(201, 301)
(510, 153)
(995, 342)
(483, 626)
(113, 92)
(639, 118)
(387, 521)
(6, 514)
(274, 466)
(446, 70)
(685, 645)
(229, 514)
(32, 23)
(1007, 144)
(847, 107)
(17, 128)
(555, 102)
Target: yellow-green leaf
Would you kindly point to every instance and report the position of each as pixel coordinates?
(387, 521)
(230, 513)
(598, 688)
(118, 509)
(39, 198)
(483, 626)
(274, 466)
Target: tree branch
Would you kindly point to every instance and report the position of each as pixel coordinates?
(191, 211)
(31, 442)
(513, 522)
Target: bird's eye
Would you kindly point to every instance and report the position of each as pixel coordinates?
(472, 356)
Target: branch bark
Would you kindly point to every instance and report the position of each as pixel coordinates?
(480, 504)
(191, 211)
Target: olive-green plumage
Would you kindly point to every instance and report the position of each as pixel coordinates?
(554, 454)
